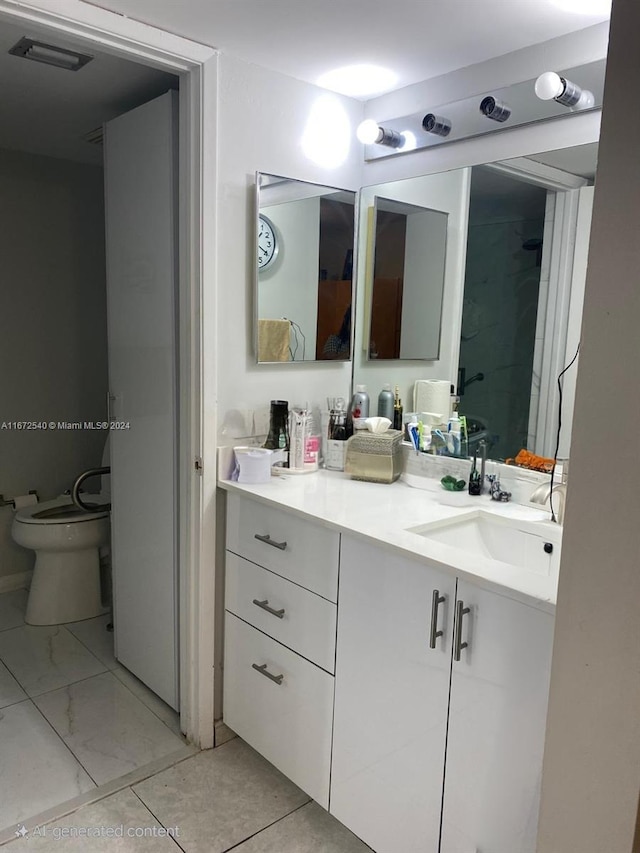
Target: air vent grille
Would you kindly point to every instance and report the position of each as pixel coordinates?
(95, 136)
(49, 54)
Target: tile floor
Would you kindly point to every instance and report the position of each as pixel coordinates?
(71, 718)
(227, 798)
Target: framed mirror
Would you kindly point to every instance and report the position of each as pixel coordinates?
(406, 280)
(512, 301)
(304, 271)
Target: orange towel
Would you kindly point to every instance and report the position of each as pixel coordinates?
(525, 459)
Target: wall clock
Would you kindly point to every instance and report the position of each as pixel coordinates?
(267, 242)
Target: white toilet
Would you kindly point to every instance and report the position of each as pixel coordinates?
(66, 577)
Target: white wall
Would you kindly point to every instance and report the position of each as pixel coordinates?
(262, 117)
(53, 343)
(591, 773)
(448, 192)
(289, 286)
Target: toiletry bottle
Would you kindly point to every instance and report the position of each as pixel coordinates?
(359, 406)
(385, 403)
(397, 411)
(278, 438)
(454, 434)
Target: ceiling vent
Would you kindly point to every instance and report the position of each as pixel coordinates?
(50, 54)
(95, 136)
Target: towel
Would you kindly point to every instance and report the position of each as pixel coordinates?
(273, 340)
(525, 459)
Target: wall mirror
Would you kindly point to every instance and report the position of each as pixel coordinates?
(406, 280)
(304, 264)
(513, 291)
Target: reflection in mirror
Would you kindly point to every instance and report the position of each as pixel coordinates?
(304, 266)
(408, 280)
(513, 312)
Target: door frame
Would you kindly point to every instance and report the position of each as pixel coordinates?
(110, 33)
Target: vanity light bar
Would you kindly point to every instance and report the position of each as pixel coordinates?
(487, 112)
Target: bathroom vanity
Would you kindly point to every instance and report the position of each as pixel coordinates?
(383, 654)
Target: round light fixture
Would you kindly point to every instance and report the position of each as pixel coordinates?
(359, 81)
(552, 87)
(368, 131)
(601, 8)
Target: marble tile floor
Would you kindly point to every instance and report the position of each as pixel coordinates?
(71, 717)
(228, 798)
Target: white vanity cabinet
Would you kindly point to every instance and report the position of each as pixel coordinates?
(280, 629)
(497, 717)
(392, 691)
(408, 716)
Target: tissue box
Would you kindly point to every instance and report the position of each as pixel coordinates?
(375, 458)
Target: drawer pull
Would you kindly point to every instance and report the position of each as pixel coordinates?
(458, 644)
(262, 669)
(265, 606)
(436, 601)
(269, 541)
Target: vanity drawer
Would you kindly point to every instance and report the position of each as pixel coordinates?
(308, 623)
(288, 721)
(298, 550)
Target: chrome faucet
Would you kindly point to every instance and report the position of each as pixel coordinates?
(542, 495)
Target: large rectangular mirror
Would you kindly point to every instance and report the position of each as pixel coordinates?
(304, 271)
(512, 301)
(407, 280)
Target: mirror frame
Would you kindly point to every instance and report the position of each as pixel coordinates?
(256, 279)
(370, 278)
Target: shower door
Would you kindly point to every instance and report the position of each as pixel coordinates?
(141, 244)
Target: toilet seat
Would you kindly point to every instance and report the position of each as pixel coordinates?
(60, 511)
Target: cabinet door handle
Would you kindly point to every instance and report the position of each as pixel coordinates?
(265, 606)
(269, 541)
(434, 633)
(262, 669)
(458, 645)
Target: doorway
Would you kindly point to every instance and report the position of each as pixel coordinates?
(186, 488)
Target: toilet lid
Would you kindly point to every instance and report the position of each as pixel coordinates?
(59, 511)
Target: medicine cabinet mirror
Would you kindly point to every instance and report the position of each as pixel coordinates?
(303, 271)
(406, 280)
(514, 272)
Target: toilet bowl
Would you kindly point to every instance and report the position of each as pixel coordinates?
(66, 576)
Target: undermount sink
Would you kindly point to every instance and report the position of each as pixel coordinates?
(506, 540)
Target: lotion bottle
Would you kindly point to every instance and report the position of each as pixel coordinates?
(385, 403)
(397, 411)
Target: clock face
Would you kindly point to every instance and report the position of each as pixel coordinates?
(267, 242)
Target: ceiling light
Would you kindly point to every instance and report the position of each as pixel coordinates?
(551, 86)
(439, 125)
(585, 7)
(369, 132)
(359, 81)
(493, 109)
(49, 54)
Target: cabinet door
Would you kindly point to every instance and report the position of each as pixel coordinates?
(497, 718)
(391, 699)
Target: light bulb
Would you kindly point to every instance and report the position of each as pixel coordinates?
(549, 85)
(410, 141)
(368, 132)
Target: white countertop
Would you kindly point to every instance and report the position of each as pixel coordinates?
(382, 513)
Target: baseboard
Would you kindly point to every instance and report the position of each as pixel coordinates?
(21, 580)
